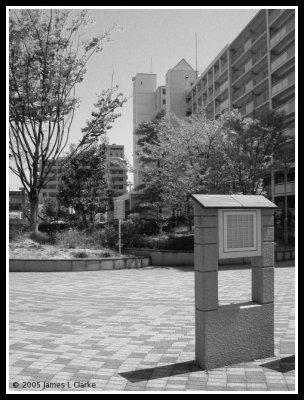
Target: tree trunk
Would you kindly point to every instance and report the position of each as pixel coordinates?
(34, 201)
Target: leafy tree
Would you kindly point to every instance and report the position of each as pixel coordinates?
(49, 210)
(247, 147)
(284, 159)
(83, 185)
(176, 164)
(148, 140)
(199, 155)
(47, 59)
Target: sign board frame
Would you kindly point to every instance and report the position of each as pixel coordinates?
(119, 209)
(253, 251)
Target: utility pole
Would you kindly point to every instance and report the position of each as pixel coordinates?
(196, 54)
(112, 78)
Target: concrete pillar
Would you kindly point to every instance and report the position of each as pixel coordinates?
(206, 274)
(263, 266)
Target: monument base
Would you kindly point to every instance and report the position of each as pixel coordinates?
(234, 333)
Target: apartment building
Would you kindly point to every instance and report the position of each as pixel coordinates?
(50, 189)
(116, 175)
(17, 199)
(255, 72)
(149, 100)
(116, 171)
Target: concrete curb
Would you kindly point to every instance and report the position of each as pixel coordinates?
(77, 264)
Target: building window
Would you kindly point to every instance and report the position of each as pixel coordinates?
(164, 91)
(164, 101)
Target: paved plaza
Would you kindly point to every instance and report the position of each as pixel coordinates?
(133, 330)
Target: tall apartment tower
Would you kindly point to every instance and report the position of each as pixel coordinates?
(149, 100)
(116, 170)
(178, 80)
(160, 99)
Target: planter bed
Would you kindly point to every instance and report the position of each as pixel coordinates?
(77, 264)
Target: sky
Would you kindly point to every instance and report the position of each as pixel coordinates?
(166, 36)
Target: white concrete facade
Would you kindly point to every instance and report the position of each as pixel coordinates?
(179, 80)
(149, 100)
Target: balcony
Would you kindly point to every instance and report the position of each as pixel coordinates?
(282, 33)
(273, 14)
(288, 107)
(249, 65)
(289, 132)
(283, 84)
(217, 73)
(250, 85)
(259, 55)
(222, 106)
(248, 44)
(279, 189)
(287, 55)
(258, 101)
(221, 88)
(224, 66)
(249, 107)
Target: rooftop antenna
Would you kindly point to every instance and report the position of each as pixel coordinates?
(196, 54)
(112, 78)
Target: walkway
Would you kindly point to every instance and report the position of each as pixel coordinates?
(133, 330)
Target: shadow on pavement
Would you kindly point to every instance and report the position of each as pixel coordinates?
(182, 268)
(285, 364)
(160, 372)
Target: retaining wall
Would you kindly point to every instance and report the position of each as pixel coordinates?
(76, 264)
(178, 258)
(186, 258)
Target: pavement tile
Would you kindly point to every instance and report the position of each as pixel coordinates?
(133, 330)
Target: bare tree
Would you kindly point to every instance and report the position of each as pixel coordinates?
(47, 59)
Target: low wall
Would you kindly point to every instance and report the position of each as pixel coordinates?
(178, 258)
(186, 258)
(77, 264)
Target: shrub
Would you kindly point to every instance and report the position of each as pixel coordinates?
(52, 227)
(135, 225)
(40, 237)
(106, 254)
(17, 230)
(80, 254)
(73, 238)
(185, 242)
(164, 242)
